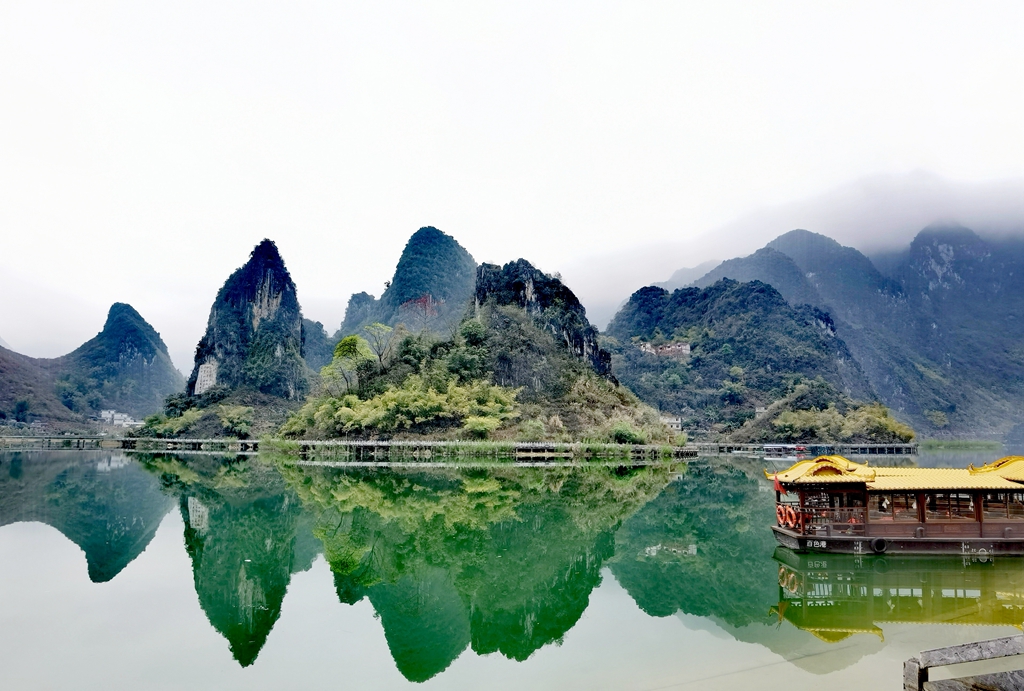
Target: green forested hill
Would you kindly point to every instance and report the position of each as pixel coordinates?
(125, 367)
(524, 363)
(748, 349)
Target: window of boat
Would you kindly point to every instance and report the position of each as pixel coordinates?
(879, 507)
(949, 507)
(834, 500)
(904, 507)
(893, 507)
(1015, 505)
(994, 505)
(1004, 505)
(816, 500)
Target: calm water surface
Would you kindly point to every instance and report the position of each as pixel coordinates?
(200, 572)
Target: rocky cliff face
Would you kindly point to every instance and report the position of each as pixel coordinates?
(548, 301)
(254, 334)
(433, 269)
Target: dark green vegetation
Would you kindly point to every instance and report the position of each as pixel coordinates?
(524, 363)
(106, 504)
(433, 283)
(317, 346)
(125, 368)
(938, 338)
(749, 349)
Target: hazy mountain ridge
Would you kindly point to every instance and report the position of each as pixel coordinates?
(937, 338)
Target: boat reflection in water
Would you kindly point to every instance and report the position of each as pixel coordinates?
(834, 596)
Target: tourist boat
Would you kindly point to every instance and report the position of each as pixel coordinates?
(831, 504)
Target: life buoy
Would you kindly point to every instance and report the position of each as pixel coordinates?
(782, 576)
(790, 517)
(780, 513)
(791, 583)
(879, 545)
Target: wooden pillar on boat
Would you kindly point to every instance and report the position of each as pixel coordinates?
(920, 507)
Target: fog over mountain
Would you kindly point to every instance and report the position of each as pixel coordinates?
(877, 215)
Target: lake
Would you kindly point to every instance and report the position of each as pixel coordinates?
(203, 572)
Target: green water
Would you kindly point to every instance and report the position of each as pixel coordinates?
(201, 572)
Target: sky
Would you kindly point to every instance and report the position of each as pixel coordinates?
(145, 148)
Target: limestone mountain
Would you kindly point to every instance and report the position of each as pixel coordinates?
(433, 282)
(125, 367)
(253, 338)
(714, 355)
(935, 336)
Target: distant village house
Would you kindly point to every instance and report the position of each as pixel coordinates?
(112, 417)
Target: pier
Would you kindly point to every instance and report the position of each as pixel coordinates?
(426, 450)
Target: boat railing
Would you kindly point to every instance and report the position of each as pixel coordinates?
(824, 521)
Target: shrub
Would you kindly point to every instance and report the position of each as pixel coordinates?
(531, 430)
(236, 419)
(623, 432)
(21, 409)
(480, 427)
(162, 426)
(417, 403)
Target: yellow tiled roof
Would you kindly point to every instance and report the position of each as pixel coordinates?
(825, 469)
(942, 479)
(1009, 467)
(1004, 474)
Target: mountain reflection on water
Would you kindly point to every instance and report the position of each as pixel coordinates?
(494, 558)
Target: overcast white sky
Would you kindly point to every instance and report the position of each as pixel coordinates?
(146, 147)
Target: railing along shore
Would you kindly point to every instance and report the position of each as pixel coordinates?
(425, 450)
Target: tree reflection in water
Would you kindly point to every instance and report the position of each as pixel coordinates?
(500, 560)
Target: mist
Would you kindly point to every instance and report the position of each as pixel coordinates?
(877, 215)
(146, 149)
